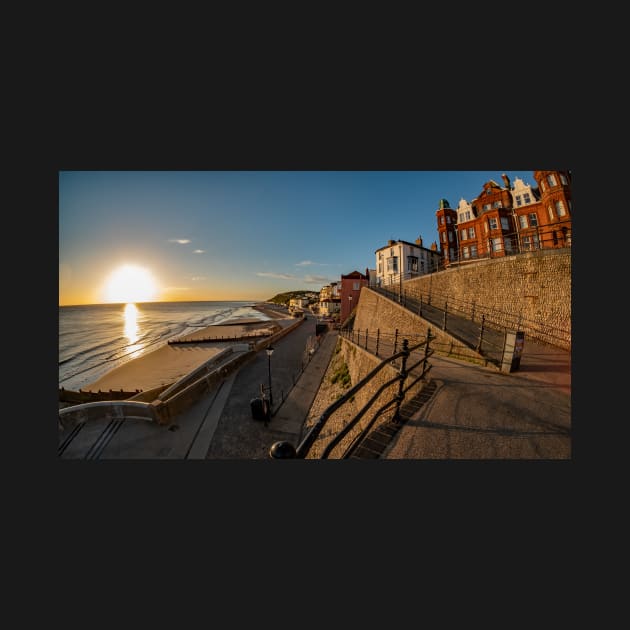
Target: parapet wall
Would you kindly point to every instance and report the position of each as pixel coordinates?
(376, 312)
(531, 292)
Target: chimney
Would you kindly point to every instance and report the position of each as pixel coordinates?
(434, 246)
(506, 180)
(419, 241)
(391, 242)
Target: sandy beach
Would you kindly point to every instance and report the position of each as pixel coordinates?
(171, 362)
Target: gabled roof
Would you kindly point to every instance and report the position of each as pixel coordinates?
(354, 274)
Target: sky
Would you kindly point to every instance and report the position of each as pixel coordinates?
(128, 236)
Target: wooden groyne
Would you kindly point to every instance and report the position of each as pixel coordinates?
(70, 396)
(172, 342)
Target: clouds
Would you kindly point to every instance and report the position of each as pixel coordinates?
(307, 279)
(198, 251)
(281, 276)
(181, 241)
(320, 280)
(306, 263)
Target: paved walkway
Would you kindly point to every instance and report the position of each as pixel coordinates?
(479, 413)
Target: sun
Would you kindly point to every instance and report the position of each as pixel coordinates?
(130, 283)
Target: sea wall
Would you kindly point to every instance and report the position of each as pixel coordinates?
(531, 292)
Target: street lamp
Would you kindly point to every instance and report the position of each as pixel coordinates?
(269, 351)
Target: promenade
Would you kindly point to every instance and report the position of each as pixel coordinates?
(475, 412)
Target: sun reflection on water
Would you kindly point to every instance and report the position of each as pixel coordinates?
(132, 330)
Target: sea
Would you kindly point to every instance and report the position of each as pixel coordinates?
(96, 338)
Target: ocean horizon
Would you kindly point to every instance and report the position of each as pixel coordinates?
(96, 338)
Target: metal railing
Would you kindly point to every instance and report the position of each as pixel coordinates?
(285, 450)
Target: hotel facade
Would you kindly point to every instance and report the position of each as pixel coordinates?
(508, 219)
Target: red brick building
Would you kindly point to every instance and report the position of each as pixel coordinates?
(350, 290)
(509, 219)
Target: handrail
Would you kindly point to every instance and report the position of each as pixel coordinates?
(356, 419)
(284, 450)
(311, 436)
(357, 440)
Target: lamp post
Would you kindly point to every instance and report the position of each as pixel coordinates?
(269, 353)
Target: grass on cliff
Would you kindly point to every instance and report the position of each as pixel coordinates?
(341, 375)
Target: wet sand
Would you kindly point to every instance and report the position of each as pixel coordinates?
(171, 362)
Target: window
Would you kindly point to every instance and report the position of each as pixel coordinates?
(530, 242)
(464, 234)
(550, 211)
(526, 198)
(487, 206)
(380, 268)
(560, 208)
(493, 223)
(392, 264)
(522, 219)
(412, 263)
(473, 251)
(504, 223)
(450, 237)
(518, 200)
(441, 220)
(467, 213)
(448, 219)
(356, 286)
(443, 237)
(471, 232)
(533, 219)
(496, 204)
(563, 179)
(497, 244)
(551, 180)
(391, 251)
(488, 192)
(466, 252)
(508, 245)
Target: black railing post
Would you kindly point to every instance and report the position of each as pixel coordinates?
(395, 341)
(420, 307)
(378, 336)
(426, 351)
(401, 383)
(445, 308)
(472, 314)
(478, 348)
(366, 338)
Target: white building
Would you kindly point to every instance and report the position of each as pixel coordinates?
(402, 260)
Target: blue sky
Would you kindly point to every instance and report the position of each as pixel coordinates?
(241, 235)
